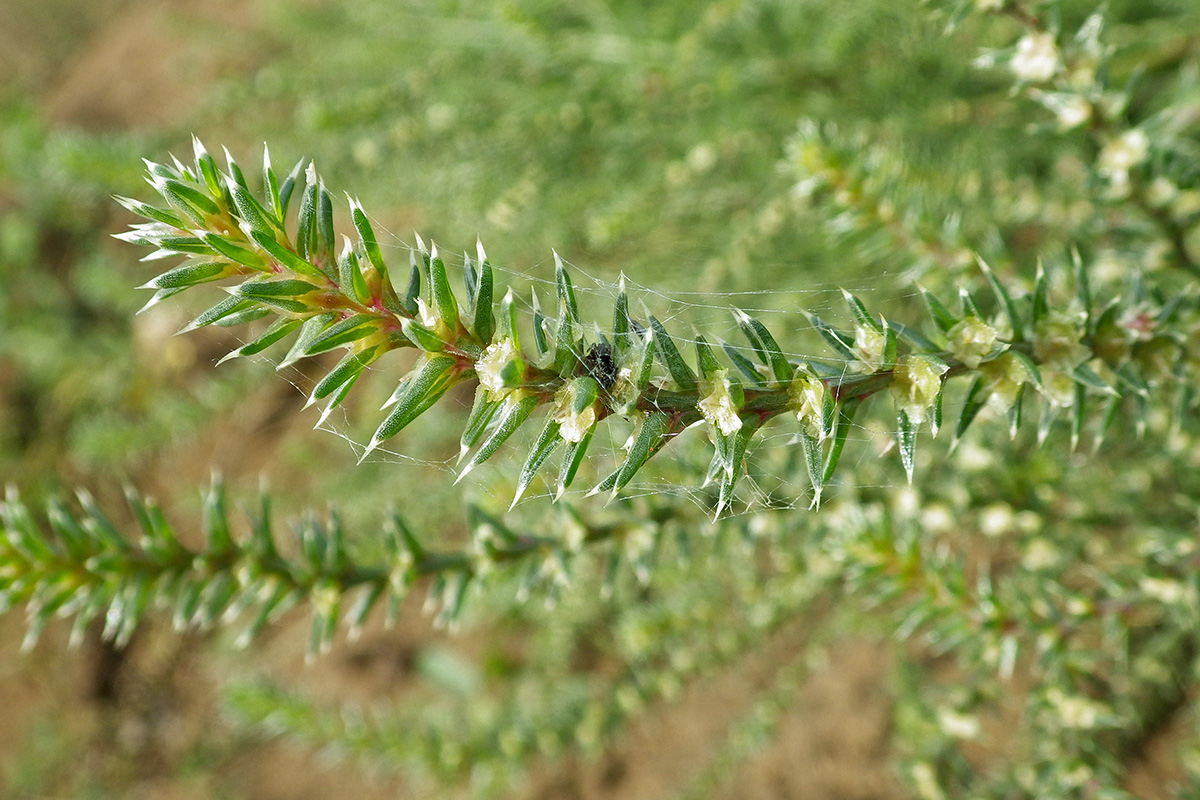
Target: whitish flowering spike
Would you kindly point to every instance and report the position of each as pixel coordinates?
(970, 340)
(915, 385)
(807, 396)
(1036, 59)
(718, 406)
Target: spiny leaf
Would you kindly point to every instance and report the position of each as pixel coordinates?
(348, 369)
(222, 309)
(765, 346)
(484, 324)
(841, 429)
(190, 274)
(975, 400)
(439, 286)
(282, 255)
(547, 440)
(516, 410)
(668, 353)
(572, 458)
(428, 381)
(860, 313)
(906, 438)
(482, 411)
(940, 315)
(342, 332)
(649, 440)
(838, 341)
(279, 329)
(1004, 299)
(366, 235)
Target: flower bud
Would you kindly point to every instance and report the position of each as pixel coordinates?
(718, 405)
(1036, 59)
(868, 349)
(970, 340)
(915, 385)
(575, 408)
(1004, 377)
(501, 367)
(807, 399)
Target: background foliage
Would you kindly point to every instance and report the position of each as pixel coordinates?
(1021, 621)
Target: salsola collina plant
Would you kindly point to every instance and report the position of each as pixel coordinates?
(1104, 358)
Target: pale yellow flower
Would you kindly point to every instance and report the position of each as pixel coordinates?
(717, 405)
(970, 340)
(915, 385)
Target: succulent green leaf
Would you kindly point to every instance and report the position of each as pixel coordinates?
(669, 355)
(443, 298)
(940, 315)
(233, 251)
(1014, 413)
(484, 325)
(428, 381)
(306, 221)
(540, 344)
(889, 345)
(266, 290)
(221, 310)
(547, 440)
(326, 242)
(1086, 376)
(969, 307)
(288, 187)
(342, 332)
(974, 402)
(835, 339)
(649, 440)
(1004, 299)
(190, 274)
(151, 212)
(906, 439)
(1040, 303)
(350, 277)
(271, 186)
(844, 421)
(860, 313)
(482, 411)
(191, 201)
(733, 463)
(744, 365)
(1083, 287)
(564, 289)
(516, 409)
(366, 234)
(706, 360)
(765, 346)
(283, 255)
(813, 459)
(206, 168)
(572, 458)
(251, 211)
(278, 330)
(622, 324)
(422, 337)
(348, 369)
(312, 329)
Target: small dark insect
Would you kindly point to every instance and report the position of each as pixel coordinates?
(600, 364)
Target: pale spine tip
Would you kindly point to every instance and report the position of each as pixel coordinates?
(479, 251)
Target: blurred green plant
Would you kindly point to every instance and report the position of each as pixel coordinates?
(1064, 590)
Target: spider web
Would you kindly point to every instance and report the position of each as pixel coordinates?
(775, 475)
